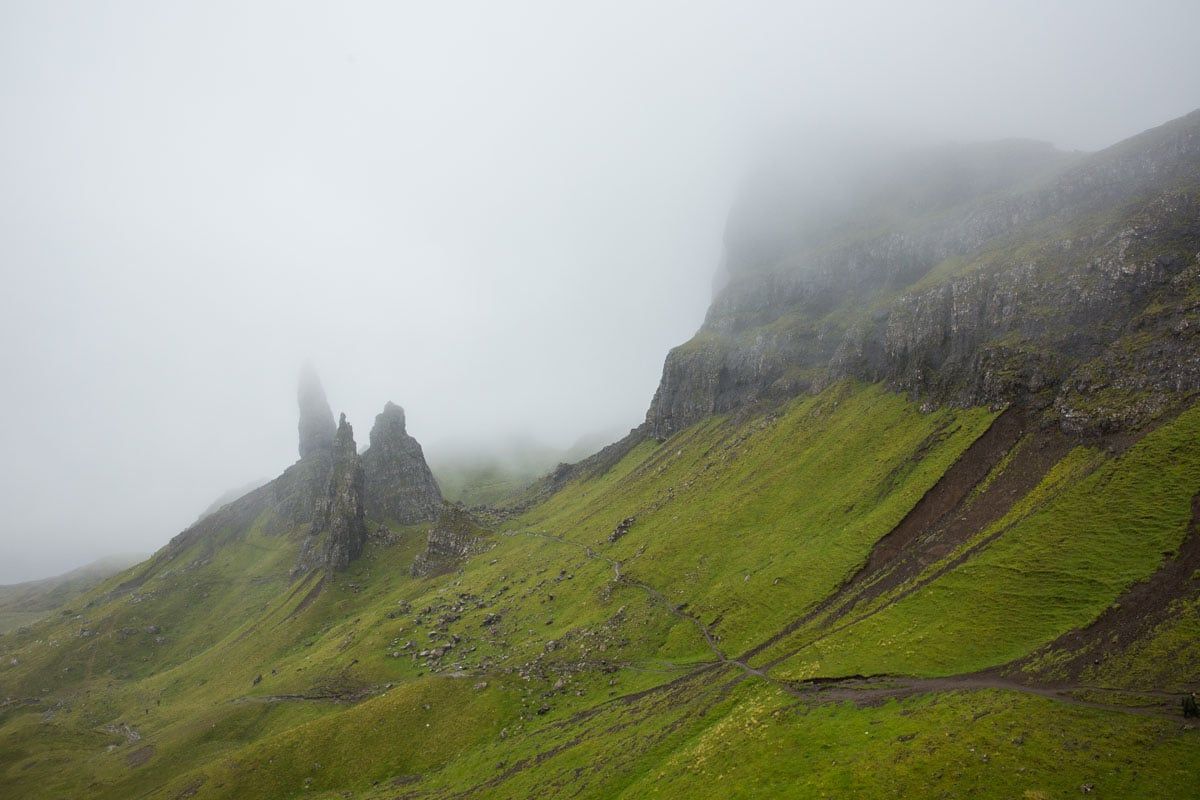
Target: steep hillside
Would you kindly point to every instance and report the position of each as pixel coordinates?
(915, 514)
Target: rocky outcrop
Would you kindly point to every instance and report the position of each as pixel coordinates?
(452, 538)
(320, 498)
(399, 485)
(294, 500)
(339, 530)
(1073, 294)
(297, 496)
(1019, 330)
(316, 419)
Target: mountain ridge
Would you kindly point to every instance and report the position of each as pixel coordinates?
(778, 332)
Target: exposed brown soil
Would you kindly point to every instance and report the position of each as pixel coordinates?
(140, 756)
(309, 598)
(871, 691)
(939, 522)
(954, 515)
(930, 530)
(191, 790)
(1020, 476)
(329, 696)
(1135, 614)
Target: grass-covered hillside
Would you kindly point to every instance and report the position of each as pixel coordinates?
(844, 596)
(913, 515)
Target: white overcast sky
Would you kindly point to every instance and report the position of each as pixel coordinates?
(499, 215)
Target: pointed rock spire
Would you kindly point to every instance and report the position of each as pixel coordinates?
(316, 419)
(339, 531)
(400, 486)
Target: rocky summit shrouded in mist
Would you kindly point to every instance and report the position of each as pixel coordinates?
(1013, 274)
(399, 485)
(325, 497)
(914, 514)
(317, 430)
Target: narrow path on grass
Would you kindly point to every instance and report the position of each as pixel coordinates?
(885, 687)
(860, 689)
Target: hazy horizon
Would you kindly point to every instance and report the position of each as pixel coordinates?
(498, 217)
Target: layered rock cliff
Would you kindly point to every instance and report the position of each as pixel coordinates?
(1072, 286)
(399, 485)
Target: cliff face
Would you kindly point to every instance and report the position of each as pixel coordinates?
(399, 484)
(1077, 294)
(339, 530)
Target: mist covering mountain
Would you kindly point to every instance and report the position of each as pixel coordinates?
(913, 513)
(600, 401)
(498, 215)
(485, 474)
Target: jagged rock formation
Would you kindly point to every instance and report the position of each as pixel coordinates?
(399, 485)
(327, 494)
(316, 419)
(452, 538)
(339, 531)
(320, 496)
(1080, 294)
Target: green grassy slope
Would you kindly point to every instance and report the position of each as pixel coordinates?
(579, 666)
(1059, 563)
(752, 524)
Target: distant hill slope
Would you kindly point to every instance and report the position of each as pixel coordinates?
(914, 515)
(488, 476)
(227, 497)
(23, 603)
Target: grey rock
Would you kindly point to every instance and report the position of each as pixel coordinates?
(622, 528)
(399, 485)
(339, 531)
(452, 538)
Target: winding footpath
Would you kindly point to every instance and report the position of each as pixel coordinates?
(862, 689)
